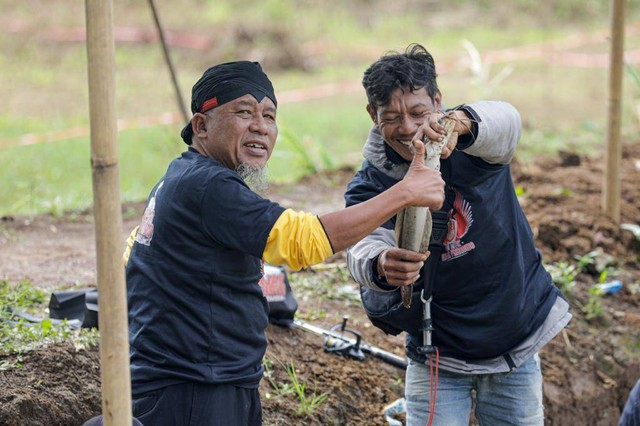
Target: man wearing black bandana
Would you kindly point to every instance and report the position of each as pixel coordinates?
(196, 311)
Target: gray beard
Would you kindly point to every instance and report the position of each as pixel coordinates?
(255, 178)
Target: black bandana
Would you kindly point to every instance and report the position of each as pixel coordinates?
(225, 82)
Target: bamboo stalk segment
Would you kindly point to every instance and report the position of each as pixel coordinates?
(114, 346)
(613, 152)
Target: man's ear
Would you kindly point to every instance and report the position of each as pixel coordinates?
(199, 125)
(372, 114)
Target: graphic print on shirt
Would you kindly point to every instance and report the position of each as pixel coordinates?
(273, 283)
(145, 232)
(460, 220)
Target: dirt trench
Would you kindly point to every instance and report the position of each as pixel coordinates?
(588, 369)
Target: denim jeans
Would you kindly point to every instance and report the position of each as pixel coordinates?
(631, 413)
(513, 398)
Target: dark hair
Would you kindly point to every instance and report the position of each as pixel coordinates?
(413, 69)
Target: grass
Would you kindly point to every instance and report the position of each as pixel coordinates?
(56, 177)
(18, 336)
(595, 267)
(308, 400)
(564, 107)
(326, 284)
(563, 275)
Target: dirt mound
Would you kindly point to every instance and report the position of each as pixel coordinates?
(562, 200)
(57, 386)
(589, 368)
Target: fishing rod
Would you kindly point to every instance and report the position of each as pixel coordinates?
(348, 342)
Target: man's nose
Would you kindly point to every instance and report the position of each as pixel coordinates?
(409, 126)
(259, 125)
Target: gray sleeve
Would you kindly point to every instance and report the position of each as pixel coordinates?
(499, 130)
(360, 255)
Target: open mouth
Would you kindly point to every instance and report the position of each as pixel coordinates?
(256, 147)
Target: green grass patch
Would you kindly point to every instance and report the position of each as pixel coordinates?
(331, 284)
(45, 93)
(18, 336)
(56, 177)
(309, 400)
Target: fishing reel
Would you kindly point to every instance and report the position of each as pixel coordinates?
(344, 341)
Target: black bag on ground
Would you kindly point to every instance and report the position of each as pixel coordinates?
(385, 309)
(81, 305)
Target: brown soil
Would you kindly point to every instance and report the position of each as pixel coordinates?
(589, 368)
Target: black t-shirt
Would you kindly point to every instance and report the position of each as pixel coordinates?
(196, 311)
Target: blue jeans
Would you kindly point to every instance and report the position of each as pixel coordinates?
(513, 398)
(631, 413)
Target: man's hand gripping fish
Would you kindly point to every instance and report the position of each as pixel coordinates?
(413, 224)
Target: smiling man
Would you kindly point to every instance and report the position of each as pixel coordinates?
(196, 311)
(493, 306)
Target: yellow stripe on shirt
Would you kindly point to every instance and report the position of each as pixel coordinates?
(298, 240)
(127, 250)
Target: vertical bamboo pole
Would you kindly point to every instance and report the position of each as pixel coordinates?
(114, 346)
(613, 151)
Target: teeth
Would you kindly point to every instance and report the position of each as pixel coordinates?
(251, 145)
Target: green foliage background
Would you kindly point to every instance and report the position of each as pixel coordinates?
(528, 53)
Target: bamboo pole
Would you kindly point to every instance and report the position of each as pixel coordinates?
(167, 59)
(613, 151)
(114, 346)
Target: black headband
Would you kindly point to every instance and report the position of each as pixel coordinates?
(226, 82)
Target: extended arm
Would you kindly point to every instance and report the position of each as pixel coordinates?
(420, 187)
(299, 240)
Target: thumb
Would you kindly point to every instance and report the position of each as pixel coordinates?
(418, 153)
